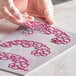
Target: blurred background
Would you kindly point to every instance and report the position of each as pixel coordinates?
(59, 1)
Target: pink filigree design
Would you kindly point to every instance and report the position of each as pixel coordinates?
(18, 62)
(40, 49)
(61, 37)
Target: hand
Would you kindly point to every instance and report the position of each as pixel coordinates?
(11, 13)
(41, 8)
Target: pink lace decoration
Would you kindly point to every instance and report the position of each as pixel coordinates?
(18, 62)
(61, 37)
(40, 49)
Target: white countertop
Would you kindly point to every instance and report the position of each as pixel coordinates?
(63, 64)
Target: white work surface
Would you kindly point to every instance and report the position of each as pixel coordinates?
(65, 63)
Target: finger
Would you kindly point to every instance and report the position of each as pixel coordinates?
(49, 16)
(48, 11)
(13, 10)
(8, 16)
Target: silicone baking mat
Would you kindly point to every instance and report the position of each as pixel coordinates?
(28, 48)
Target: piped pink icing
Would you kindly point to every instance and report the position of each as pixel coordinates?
(61, 37)
(18, 62)
(40, 49)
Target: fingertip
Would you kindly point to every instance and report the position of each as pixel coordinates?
(49, 18)
(51, 21)
(25, 19)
